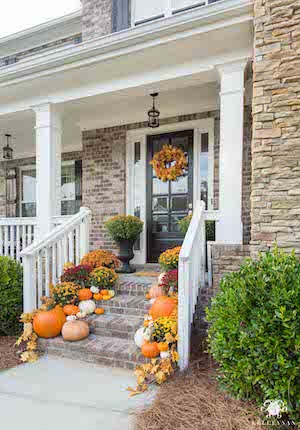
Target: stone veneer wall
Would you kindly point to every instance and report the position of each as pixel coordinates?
(226, 258)
(96, 18)
(18, 163)
(104, 172)
(275, 199)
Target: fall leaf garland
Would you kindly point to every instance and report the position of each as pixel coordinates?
(169, 163)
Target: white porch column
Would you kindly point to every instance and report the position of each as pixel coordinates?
(230, 227)
(48, 166)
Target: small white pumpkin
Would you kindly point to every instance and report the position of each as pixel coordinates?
(160, 278)
(165, 354)
(71, 318)
(87, 306)
(111, 293)
(139, 337)
(148, 332)
(94, 290)
(81, 315)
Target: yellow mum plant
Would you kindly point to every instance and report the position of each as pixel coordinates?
(169, 259)
(65, 293)
(103, 277)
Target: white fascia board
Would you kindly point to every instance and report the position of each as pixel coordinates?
(214, 16)
(61, 27)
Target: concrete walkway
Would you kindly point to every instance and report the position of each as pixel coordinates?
(63, 394)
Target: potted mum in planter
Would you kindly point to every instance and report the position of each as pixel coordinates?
(124, 230)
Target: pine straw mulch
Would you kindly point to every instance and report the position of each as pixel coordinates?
(192, 401)
(8, 352)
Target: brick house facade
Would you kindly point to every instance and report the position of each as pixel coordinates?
(270, 159)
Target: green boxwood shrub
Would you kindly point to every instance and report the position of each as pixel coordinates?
(254, 330)
(11, 296)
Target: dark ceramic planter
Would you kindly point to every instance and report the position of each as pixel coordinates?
(125, 255)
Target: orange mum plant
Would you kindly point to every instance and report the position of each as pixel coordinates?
(100, 258)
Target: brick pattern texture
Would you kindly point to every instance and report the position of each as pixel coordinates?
(103, 181)
(275, 199)
(96, 18)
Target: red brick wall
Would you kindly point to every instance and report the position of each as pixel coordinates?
(104, 179)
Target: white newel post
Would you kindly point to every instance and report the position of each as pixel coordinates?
(48, 166)
(230, 227)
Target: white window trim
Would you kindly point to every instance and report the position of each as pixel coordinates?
(199, 127)
(33, 167)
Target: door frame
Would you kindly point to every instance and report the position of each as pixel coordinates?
(200, 126)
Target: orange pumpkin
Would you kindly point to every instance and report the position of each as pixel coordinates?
(150, 349)
(163, 346)
(97, 296)
(99, 311)
(84, 294)
(49, 323)
(148, 297)
(75, 330)
(70, 309)
(104, 292)
(162, 307)
(156, 291)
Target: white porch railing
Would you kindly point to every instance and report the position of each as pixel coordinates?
(191, 278)
(43, 260)
(15, 235)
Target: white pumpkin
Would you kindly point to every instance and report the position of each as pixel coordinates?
(160, 278)
(81, 315)
(87, 306)
(139, 337)
(111, 293)
(165, 354)
(94, 290)
(71, 318)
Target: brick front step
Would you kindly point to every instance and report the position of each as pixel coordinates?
(109, 351)
(132, 289)
(125, 305)
(115, 325)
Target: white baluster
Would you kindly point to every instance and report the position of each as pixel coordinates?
(24, 239)
(71, 246)
(77, 240)
(6, 240)
(47, 272)
(59, 259)
(54, 264)
(18, 243)
(65, 250)
(40, 276)
(12, 241)
(29, 228)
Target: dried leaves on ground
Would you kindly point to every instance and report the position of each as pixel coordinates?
(8, 352)
(192, 401)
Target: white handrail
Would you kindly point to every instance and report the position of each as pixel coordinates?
(43, 260)
(191, 278)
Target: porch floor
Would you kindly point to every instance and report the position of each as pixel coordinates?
(64, 394)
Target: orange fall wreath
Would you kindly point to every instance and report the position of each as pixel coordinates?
(169, 163)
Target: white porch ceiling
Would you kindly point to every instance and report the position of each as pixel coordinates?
(119, 108)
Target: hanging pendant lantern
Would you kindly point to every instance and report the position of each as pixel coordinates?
(153, 114)
(7, 150)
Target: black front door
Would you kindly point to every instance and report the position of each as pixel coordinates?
(167, 202)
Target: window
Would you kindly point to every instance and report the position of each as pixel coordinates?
(70, 189)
